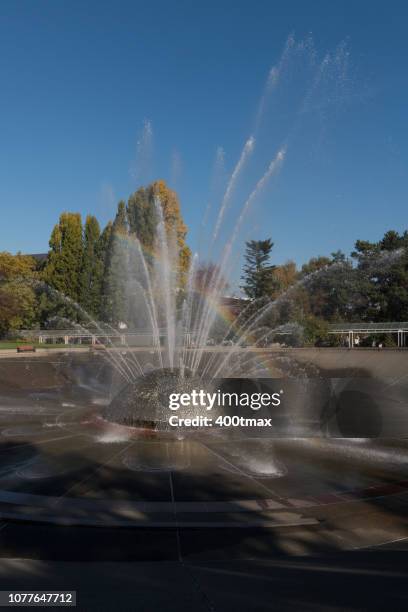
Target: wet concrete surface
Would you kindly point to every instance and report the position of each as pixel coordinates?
(206, 522)
(350, 581)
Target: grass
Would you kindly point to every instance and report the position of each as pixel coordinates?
(13, 345)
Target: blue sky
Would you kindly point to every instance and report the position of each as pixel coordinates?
(79, 80)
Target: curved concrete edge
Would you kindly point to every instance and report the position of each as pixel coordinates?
(73, 521)
(24, 507)
(121, 506)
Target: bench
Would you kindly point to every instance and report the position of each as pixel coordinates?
(26, 348)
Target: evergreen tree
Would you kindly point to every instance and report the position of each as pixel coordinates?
(142, 217)
(314, 264)
(332, 291)
(63, 267)
(92, 268)
(116, 270)
(259, 276)
(103, 252)
(382, 269)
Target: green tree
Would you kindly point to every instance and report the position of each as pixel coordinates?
(92, 268)
(142, 218)
(314, 264)
(315, 331)
(114, 307)
(103, 251)
(63, 267)
(259, 276)
(332, 290)
(383, 277)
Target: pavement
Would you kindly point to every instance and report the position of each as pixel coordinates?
(353, 581)
(136, 521)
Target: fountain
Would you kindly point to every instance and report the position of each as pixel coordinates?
(145, 403)
(87, 437)
(180, 316)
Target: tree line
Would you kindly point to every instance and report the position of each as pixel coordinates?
(84, 275)
(369, 285)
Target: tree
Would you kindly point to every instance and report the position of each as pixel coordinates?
(142, 218)
(315, 331)
(383, 277)
(174, 224)
(122, 267)
(103, 252)
(338, 257)
(63, 267)
(92, 268)
(17, 293)
(286, 275)
(259, 276)
(16, 266)
(314, 264)
(116, 269)
(392, 241)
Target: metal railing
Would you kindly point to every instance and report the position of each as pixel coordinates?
(400, 328)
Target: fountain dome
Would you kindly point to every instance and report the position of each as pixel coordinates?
(145, 402)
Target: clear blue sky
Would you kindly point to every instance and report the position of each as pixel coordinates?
(78, 79)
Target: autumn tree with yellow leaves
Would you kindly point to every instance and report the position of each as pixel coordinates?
(17, 291)
(142, 219)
